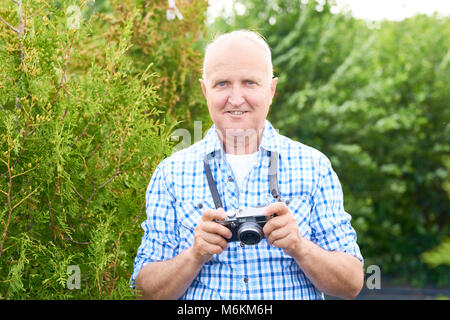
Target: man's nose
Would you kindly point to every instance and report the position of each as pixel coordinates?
(236, 97)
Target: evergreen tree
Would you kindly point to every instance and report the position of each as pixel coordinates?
(90, 92)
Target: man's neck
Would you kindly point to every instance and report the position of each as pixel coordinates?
(243, 144)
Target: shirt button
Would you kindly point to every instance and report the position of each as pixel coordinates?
(199, 206)
(230, 179)
(246, 279)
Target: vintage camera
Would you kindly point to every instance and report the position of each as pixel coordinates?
(246, 225)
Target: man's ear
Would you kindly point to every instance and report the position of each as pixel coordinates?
(273, 86)
(203, 84)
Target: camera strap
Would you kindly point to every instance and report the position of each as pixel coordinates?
(212, 185)
(273, 176)
(273, 179)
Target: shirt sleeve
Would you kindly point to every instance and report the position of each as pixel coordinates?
(160, 239)
(330, 224)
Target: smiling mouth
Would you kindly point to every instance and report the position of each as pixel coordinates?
(237, 113)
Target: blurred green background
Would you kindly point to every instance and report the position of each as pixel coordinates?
(92, 91)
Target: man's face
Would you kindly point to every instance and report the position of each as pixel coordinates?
(237, 86)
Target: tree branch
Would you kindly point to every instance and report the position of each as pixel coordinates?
(50, 205)
(10, 209)
(18, 204)
(139, 213)
(76, 191)
(118, 162)
(116, 173)
(10, 26)
(63, 76)
(19, 174)
(25, 134)
(20, 30)
(79, 137)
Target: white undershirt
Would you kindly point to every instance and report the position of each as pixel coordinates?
(241, 165)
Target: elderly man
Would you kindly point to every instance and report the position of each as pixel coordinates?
(308, 245)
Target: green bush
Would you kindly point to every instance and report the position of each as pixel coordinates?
(439, 255)
(90, 93)
(374, 98)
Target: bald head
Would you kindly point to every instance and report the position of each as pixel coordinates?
(240, 41)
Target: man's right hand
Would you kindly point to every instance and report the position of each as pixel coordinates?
(171, 278)
(209, 236)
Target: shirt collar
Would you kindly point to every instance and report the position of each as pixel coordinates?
(212, 141)
(270, 140)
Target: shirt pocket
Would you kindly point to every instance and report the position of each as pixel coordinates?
(189, 214)
(301, 209)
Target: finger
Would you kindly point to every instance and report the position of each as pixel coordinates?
(276, 208)
(215, 228)
(207, 248)
(285, 242)
(278, 234)
(280, 243)
(215, 239)
(211, 214)
(214, 249)
(275, 223)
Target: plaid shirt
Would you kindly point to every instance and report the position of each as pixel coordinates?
(178, 194)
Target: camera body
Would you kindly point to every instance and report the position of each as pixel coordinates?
(246, 224)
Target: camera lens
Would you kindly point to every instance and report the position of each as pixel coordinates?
(250, 233)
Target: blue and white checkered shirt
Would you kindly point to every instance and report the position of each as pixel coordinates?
(178, 194)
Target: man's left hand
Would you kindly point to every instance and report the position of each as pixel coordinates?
(282, 230)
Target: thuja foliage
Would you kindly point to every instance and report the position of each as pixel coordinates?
(90, 92)
(375, 99)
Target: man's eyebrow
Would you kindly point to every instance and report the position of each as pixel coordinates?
(254, 79)
(218, 80)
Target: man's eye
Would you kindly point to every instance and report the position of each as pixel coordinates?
(250, 82)
(221, 84)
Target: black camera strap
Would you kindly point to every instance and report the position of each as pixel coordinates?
(273, 176)
(273, 179)
(212, 185)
